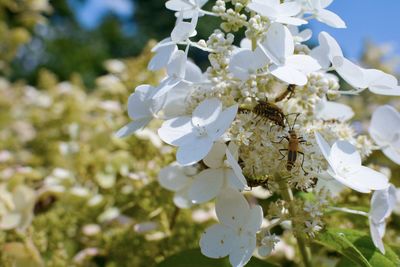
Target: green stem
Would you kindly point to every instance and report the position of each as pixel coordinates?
(253, 44)
(287, 195)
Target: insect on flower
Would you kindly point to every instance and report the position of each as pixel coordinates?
(267, 111)
(293, 147)
(288, 93)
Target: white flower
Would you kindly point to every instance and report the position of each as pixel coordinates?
(376, 81)
(267, 245)
(209, 182)
(317, 8)
(277, 12)
(345, 166)
(176, 70)
(178, 179)
(235, 235)
(300, 36)
(163, 54)
(278, 46)
(245, 62)
(16, 207)
(184, 30)
(385, 131)
(328, 110)
(141, 109)
(188, 8)
(195, 135)
(382, 205)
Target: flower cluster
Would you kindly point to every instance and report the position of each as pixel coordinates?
(260, 115)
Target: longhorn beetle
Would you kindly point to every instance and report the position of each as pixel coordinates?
(293, 148)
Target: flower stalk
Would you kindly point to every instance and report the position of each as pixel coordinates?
(287, 195)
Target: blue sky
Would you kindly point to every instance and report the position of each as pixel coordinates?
(378, 21)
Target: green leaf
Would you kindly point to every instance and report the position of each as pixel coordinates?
(357, 247)
(194, 258)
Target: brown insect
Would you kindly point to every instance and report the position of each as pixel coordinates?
(293, 147)
(269, 111)
(288, 92)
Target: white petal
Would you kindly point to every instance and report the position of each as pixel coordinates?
(375, 230)
(304, 35)
(191, 153)
(264, 250)
(206, 112)
(381, 83)
(382, 203)
(290, 75)
(355, 183)
(172, 178)
(178, 5)
(193, 72)
(162, 57)
(184, 30)
(242, 251)
(232, 208)
(233, 181)
(177, 65)
(392, 153)
(385, 123)
(328, 110)
(344, 155)
(323, 145)
(132, 127)
(177, 131)
(330, 18)
(303, 63)
(325, 3)
(238, 177)
(350, 72)
(139, 102)
(206, 185)
(369, 178)
(289, 9)
(334, 49)
(255, 220)
(291, 20)
(245, 62)
(224, 121)
(217, 241)
(328, 49)
(279, 43)
(166, 86)
(263, 9)
(215, 158)
(181, 199)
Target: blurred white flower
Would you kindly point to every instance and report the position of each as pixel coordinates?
(385, 131)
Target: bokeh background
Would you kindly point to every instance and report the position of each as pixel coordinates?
(73, 194)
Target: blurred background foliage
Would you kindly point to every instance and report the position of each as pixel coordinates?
(96, 200)
(70, 43)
